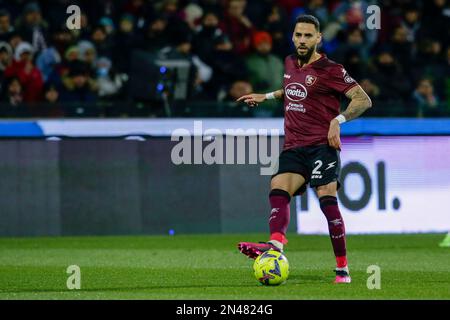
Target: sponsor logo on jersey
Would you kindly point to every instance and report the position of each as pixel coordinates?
(295, 91)
(295, 107)
(287, 76)
(310, 80)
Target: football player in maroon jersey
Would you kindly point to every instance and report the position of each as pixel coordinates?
(312, 89)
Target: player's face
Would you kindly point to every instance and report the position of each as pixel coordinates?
(305, 38)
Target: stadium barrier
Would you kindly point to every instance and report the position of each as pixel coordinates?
(109, 177)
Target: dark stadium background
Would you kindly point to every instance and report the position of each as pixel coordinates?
(404, 66)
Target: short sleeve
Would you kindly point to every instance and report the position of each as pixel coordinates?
(340, 80)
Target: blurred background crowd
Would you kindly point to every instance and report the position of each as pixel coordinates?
(116, 64)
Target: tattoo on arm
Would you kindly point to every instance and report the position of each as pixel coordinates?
(359, 103)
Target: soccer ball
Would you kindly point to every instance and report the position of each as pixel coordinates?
(271, 268)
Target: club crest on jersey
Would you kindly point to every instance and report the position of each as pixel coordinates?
(295, 91)
(346, 76)
(310, 80)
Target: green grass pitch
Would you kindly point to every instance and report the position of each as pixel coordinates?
(210, 267)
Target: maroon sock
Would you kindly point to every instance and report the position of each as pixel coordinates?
(336, 227)
(280, 214)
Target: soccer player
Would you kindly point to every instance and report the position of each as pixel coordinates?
(313, 86)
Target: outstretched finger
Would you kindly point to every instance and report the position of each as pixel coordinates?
(243, 97)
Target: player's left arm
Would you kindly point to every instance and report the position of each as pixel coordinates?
(359, 103)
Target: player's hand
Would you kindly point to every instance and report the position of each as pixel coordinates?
(334, 134)
(252, 99)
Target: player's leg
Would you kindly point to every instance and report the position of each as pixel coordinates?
(283, 187)
(324, 178)
(290, 179)
(336, 227)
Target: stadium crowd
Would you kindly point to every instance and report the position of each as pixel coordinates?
(234, 47)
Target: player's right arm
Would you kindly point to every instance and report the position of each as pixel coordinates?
(254, 98)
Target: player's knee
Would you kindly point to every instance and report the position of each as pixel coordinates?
(280, 192)
(327, 190)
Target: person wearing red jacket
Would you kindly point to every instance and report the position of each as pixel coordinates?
(29, 76)
(237, 26)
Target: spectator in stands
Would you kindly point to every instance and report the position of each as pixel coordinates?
(139, 9)
(87, 51)
(276, 24)
(431, 63)
(126, 40)
(426, 103)
(411, 22)
(395, 86)
(6, 29)
(192, 13)
(61, 39)
(181, 49)
(265, 69)
(5, 56)
(72, 53)
(355, 44)
(108, 26)
(108, 81)
(88, 54)
(51, 94)
(318, 9)
(15, 39)
(350, 13)
(237, 26)
(32, 27)
(238, 89)
(46, 62)
(53, 106)
(354, 64)
(78, 85)
(29, 76)
(102, 42)
(402, 49)
(12, 91)
(227, 67)
(156, 36)
(205, 36)
(436, 16)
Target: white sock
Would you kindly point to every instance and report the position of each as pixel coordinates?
(343, 269)
(277, 244)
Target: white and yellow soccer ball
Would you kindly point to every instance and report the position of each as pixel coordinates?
(271, 268)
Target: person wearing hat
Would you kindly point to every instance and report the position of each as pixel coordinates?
(265, 70)
(23, 68)
(77, 85)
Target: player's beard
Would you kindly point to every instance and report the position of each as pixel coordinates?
(304, 58)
